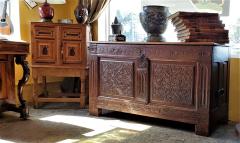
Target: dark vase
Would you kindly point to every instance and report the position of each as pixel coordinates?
(154, 22)
(81, 13)
(116, 26)
(46, 12)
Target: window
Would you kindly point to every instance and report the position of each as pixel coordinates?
(128, 11)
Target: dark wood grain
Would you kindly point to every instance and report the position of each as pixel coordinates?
(186, 82)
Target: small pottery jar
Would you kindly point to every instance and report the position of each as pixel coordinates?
(154, 21)
(81, 13)
(116, 26)
(46, 12)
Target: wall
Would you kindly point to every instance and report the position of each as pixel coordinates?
(234, 90)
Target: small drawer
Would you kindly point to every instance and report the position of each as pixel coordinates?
(45, 32)
(3, 57)
(72, 34)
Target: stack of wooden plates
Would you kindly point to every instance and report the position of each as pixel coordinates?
(199, 27)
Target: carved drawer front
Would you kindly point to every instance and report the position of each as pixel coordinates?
(116, 78)
(71, 33)
(3, 92)
(45, 32)
(173, 83)
(45, 51)
(72, 52)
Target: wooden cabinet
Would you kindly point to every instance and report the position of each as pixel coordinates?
(12, 52)
(59, 50)
(186, 82)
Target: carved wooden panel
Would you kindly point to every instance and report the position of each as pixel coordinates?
(178, 52)
(126, 50)
(45, 51)
(116, 78)
(220, 88)
(173, 83)
(72, 52)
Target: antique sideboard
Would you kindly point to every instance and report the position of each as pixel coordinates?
(185, 82)
(12, 52)
(59, 50)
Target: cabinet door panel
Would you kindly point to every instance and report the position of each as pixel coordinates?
(174, 83)
(117, 78)
(45, 51)
(3, 94)
(72, 52)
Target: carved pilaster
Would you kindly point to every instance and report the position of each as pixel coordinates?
(93, 85)
(142, 78)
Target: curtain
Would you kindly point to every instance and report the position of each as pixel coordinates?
(95, 8)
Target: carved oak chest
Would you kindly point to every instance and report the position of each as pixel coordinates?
(186, 82)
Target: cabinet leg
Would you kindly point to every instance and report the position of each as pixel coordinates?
(83, 93)
(45, 91)
(35, 91)
(202, 129)
(95, 111)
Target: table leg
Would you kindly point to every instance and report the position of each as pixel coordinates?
(35, 90)
(83, 92)
(44, 82)
(26, 72)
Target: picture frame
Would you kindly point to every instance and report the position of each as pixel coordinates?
(30, 3)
